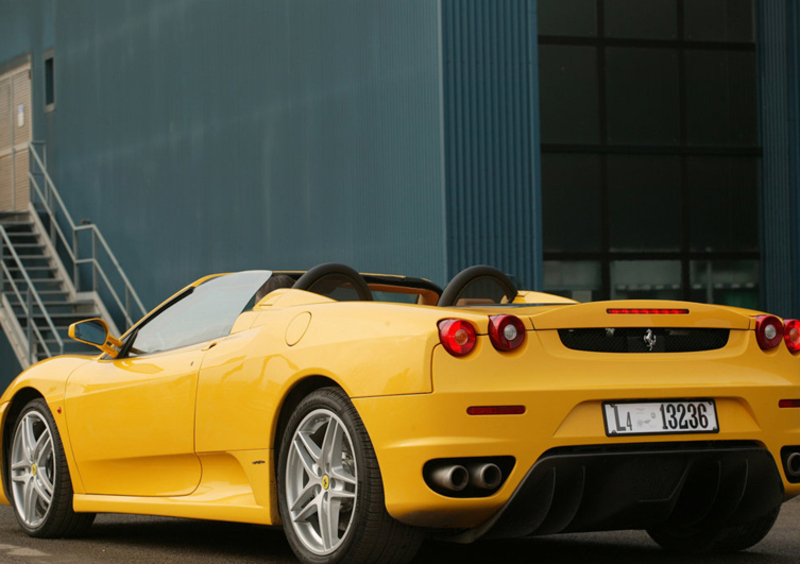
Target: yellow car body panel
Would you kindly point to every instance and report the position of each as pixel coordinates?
(563, 392)
(192, 432)
(131, 422)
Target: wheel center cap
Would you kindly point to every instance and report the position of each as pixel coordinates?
(33, 469)
(326, 482)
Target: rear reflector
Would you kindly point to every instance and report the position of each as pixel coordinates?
(496, 410)
(789, 403)
(649, 311)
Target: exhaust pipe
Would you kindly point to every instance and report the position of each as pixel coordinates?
(453, 477)
(793, 464)
(486, 476)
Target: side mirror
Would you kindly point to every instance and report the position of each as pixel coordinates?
(95, 332)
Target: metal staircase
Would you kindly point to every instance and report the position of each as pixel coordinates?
(49, 280)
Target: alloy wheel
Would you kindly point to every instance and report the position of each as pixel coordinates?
(321, 481)
(33, 468)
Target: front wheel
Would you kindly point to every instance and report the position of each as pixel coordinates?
(41, 489)
(330, 492)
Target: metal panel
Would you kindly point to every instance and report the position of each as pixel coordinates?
(210, 136)
(779, 98)
(21, 197)
(491, 139)
(21, 107)
(6, 184)
(5, 115)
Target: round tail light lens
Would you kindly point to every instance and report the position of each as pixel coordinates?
(507, 332)
(457, 336)
(769, 331)
(791, 334)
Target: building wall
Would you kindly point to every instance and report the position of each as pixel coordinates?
(205, 136)
(491, 105)
(26, 31)
(779, 93)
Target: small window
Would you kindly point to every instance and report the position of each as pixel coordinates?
(49, 83)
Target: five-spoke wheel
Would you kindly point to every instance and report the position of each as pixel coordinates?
(41, 489)
(33, 468)
(321, 481)
(330, 492)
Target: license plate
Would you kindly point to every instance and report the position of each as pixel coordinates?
(657, 417)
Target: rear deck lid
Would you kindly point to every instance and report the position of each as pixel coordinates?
(641, 313)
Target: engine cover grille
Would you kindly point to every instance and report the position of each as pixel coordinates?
(644, 339)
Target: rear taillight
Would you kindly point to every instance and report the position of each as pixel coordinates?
(769, 331)
(791, 334)
(507, 332)
(457, 336)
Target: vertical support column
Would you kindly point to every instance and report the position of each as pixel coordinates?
(95, 264)
(29, 327)
(491, 136)
(13, 151)
(778, 51)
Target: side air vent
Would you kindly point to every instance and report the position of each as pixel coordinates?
(643, 339)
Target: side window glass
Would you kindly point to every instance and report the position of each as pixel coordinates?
(208, 312)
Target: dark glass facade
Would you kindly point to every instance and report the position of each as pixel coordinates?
(650, 149)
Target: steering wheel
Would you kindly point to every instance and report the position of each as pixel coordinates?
(465, 279)
(333, 273)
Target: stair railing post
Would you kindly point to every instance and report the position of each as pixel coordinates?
(2, 262)
(76, 277)
(29, 323)
(128, 306)
(94, 259)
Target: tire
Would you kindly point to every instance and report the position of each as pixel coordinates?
(330, 492)
(716, 539)
(38, 477)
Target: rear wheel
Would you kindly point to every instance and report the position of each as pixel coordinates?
(41, 488)
(330, 492)
(715, 539)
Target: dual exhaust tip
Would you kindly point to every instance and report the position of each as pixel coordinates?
(456, 477)
(793, 464)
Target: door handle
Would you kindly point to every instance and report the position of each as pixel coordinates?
(209, 347)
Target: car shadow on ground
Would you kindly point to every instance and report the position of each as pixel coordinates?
(231, 542)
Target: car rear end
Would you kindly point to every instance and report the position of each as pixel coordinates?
(607, 415)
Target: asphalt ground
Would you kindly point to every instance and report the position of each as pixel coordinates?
(123, 538)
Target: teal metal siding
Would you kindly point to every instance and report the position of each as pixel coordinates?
(778, 51)
(206, 136)
(26, 31)
(493, 211)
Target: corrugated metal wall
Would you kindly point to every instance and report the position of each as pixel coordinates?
(26, 30)
(493, 214)
(208, 136)
(778, 50)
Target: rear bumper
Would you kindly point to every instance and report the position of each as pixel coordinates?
(638, 487)
(409, 431)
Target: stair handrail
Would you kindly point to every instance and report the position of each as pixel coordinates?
(33, 329)
(73, 247)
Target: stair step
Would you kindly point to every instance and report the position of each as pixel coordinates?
(15, 223)
(61, 316)
(29, 246)
(37, 268)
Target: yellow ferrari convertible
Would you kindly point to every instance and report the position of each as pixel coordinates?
(364, 412)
